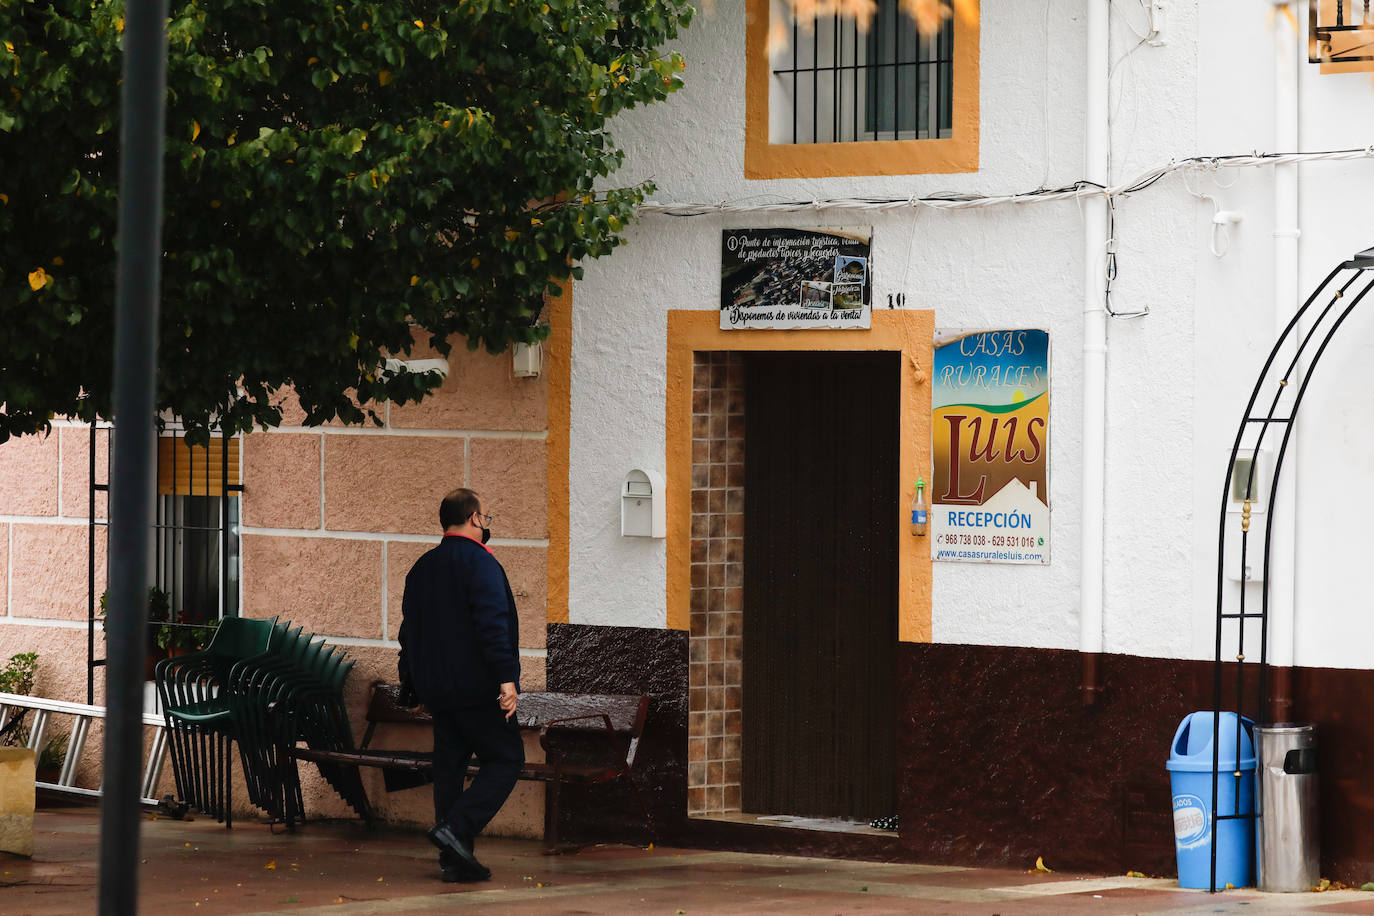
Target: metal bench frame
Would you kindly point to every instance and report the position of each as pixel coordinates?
(383, 708)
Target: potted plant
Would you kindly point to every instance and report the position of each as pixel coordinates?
(48, 764)
(186, 631)
(169, 633)
(18, 673)
(17, 677)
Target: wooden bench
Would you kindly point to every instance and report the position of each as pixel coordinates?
(605, 730)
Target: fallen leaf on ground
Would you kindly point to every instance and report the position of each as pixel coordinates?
(1135, 874)
(271, 866)
(1040, 865)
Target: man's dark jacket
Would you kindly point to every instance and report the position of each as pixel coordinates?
(459, 632)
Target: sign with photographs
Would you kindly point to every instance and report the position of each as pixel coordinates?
(990, 502)
(795, 278)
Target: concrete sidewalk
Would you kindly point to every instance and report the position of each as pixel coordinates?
(340, 867)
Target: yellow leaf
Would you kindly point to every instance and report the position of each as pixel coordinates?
(119, 24)
(374, 179)
(57, 261)
(379, 879)
(366, 26)
(512, 235)
(476, 263)
(9, 46)
(37, 280)
(535, 221)
(615, 65)
(384, 77)
(414, 279)
(4, 199)
(233, 138)
(195, 130)
(1040, 864)
(312, 61)
(353, 341)
(419, 23)
(270, 866)
(338, 900)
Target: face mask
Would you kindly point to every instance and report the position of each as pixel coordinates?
(486, 535)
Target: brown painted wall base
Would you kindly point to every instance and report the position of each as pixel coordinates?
(998, 759)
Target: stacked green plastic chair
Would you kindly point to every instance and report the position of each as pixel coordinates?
(264, 687)
(198, 711)
(246, 684)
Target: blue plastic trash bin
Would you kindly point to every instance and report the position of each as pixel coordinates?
(1190, 775)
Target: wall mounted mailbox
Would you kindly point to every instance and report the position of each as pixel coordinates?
(642, 507)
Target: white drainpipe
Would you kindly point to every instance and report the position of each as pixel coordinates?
(1094, 348)
(1282, 557)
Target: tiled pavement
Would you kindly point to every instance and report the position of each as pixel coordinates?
(341, 868)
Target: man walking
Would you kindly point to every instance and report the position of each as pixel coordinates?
(460, 658)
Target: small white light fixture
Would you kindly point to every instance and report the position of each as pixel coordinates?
(527, 360)
(396, 366)
(642, 506)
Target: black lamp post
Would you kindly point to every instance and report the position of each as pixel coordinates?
(137, 290)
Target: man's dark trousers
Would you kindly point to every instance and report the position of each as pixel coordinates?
(459, 734)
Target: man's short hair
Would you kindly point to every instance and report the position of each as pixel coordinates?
(458, 507)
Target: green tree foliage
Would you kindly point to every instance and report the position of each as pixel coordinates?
(336, 172)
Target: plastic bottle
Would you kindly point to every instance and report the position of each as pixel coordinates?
(918, 509)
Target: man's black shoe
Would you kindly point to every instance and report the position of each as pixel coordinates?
(464, 862)
(459, 874)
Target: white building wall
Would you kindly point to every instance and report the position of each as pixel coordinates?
(1177, 379)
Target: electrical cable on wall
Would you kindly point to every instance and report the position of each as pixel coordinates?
(954, 201)
(1080, 190)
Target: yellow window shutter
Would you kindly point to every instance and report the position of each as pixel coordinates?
(184, 470)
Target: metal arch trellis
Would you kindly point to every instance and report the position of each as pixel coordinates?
(1345, 286)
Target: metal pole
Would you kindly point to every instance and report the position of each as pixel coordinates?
(137, 285)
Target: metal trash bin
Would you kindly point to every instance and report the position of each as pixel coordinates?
(1287, 854)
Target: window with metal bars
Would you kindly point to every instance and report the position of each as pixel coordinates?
(197, 528)
(838, 82)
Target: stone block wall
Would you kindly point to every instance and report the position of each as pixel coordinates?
(332, 519)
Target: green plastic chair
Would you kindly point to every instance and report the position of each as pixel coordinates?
(195, 704)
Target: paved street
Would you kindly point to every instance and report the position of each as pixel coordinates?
(341, 868)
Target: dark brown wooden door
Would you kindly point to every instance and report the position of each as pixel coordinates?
(820, 583)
